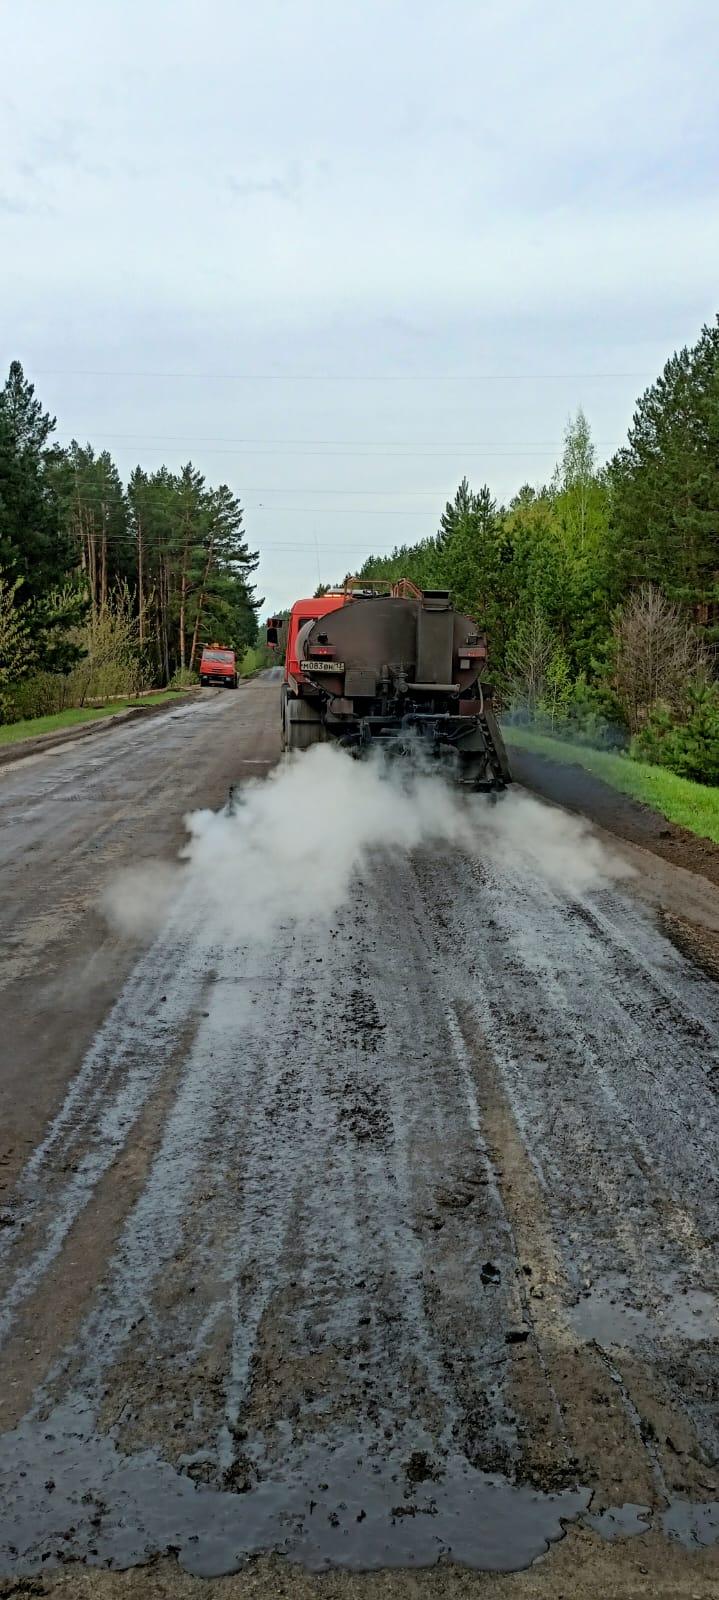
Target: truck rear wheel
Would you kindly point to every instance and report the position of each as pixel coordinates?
(301, 725)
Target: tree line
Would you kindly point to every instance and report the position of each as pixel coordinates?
(600, 590)
(108, 586)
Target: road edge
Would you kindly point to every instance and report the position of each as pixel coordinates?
(36, 744)
(631, 821)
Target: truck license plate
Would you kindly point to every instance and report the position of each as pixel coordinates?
(323, 666)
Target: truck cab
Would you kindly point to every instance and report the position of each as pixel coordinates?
(218, 665)
(301, 724)
(304, 611)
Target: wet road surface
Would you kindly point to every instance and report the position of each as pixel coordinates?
(374, 1244)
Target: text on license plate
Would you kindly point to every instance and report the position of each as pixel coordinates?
(323, 666)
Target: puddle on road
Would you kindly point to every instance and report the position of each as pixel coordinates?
(621, 1522)
(612, 1315)
(691, 1523)
(68, 1494)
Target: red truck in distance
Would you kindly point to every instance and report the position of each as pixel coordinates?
(218, 665)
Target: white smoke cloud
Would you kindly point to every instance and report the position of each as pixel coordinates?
(138, 901)
(549, 842)
(294, 841)
(298, 837)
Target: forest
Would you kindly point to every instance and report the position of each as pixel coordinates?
(108, 588)
(600, 590)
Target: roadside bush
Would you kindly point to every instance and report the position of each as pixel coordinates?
(108, 665)
(184, 678)
(691, 747)
(113, 665)
(41, 695)
(657, 655)
(252, 661)
(592, 716)
(537, 677)
(579, 712)
(16, 657)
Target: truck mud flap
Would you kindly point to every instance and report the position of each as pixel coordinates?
(302, 725)
(496, 743)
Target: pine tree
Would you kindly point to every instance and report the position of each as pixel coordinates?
(223, 598)
(454, 512)
(665, 482)
(472, 554)
(33, 544)
(94, 514)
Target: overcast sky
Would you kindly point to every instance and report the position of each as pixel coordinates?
(339, 252)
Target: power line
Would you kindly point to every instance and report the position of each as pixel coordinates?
(410, 494)
(159, 547)
(468, 456)
(326, 549)
(415, 446)
(343, 511)
(128, 538)
(291, 511)
(371, 455)
(342, 377)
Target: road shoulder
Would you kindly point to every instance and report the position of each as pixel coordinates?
(37, 744)
(580, 791)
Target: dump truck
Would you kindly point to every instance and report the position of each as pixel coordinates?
(218, 664)
(390, 666)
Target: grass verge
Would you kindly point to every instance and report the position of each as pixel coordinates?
(15, 732)
(694, 806)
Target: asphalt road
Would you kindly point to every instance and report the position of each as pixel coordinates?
(377, 1244)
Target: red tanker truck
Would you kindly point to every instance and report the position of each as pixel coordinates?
(376, 664)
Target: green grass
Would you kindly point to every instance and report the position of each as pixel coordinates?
(692, 805)
(15, 732)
